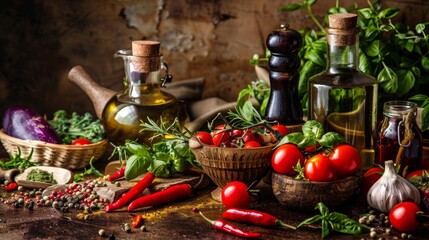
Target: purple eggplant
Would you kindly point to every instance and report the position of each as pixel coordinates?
(24, 123)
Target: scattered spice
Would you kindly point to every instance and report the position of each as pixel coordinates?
(39, 175)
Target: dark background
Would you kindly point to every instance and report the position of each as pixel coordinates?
(214, 39)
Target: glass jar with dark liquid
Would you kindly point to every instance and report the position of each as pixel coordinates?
(391, 133)
(142, 98)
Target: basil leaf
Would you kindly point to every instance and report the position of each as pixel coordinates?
(343, 224)
(330, 139)
(310, 220)
(388, 13)
(135, 166)
(406, 82)
(324, 211)
(325, 228)
(294, 137)
(312, 128)
(425, 63)
(366, 13)
(418, 98)
(388, 80)
(364, 64)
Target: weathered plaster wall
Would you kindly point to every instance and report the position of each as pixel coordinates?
(41, 40)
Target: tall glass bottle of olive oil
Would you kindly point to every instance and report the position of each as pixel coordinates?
(342, 98)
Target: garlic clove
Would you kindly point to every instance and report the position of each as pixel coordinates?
(390, 190)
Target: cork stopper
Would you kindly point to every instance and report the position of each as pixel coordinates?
(342, 29)
(343, 20)
(145, 48)
(145, 56)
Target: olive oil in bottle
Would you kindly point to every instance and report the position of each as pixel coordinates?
(342, 98)
(142, 97)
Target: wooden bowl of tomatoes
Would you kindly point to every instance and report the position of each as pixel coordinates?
(313, 167)
(226, 164)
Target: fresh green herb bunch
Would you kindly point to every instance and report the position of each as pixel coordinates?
(169, 155)
(77, 126)
(395, 54)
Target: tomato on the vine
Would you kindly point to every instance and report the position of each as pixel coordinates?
(252, 144)
(319, 169)
(235, 195)
(204, 137)
(417, 173)
(346, 160)
(81, 142)
(285, 157)
(251, 136)
(220, 138)
(369, 178)
(282, 129)
(403, 216)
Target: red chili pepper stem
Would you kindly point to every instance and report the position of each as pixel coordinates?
(228, 228)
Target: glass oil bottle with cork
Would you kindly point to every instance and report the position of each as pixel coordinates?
(142, 97)
(342, 98)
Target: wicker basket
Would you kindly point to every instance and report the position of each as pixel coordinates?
(224, 165)
(57, 155)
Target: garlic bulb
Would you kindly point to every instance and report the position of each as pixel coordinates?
(390, 190)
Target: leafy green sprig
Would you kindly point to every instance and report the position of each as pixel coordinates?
(17, 161)
(334, 221)
(77, 126)
(90, 171)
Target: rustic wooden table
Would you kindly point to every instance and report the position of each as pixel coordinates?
(173, 221)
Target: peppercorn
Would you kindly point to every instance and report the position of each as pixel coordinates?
(101, 232)
(143, 228)
(112, 237)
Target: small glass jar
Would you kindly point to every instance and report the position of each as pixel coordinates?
(391, 135)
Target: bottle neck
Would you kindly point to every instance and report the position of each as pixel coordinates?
(343, 55)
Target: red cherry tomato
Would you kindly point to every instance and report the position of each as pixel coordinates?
(285, 157)
(422, 177)
(312, 149)
(221, 138)
(403, 216)
(249, 136)
(252, 144)
(204, 137)
(369, 178)
(282, 129)
(346, 160)
(236, 195)
(417, 173)
(319, 169)
(236, 133)
(81, 141)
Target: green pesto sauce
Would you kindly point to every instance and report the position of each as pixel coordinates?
(39, 175)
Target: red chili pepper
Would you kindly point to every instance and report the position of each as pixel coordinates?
(254, 217)
(223, 226)
(118, 174)
(132, 193)
(137, 221)
(11, 186)
(167, 195)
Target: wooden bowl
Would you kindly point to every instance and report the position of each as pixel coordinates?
(224, 165)
(304, 195)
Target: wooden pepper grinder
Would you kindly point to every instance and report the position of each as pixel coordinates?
(284, 105)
